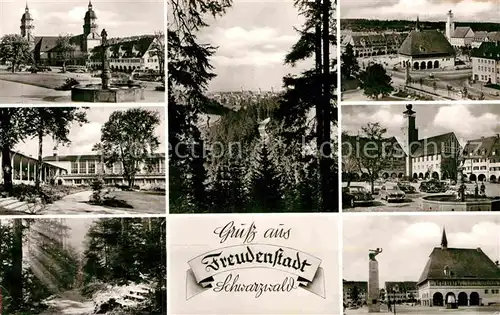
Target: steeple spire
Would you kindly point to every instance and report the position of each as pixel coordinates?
(444, 240)
(26, 9)
(90, 4)
(417, 27)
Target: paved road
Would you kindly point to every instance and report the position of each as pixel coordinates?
(69, 302)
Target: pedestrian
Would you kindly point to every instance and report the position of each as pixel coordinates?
(389, 306)
(483, 189)
(476, 190)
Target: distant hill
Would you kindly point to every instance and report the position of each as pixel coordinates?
(364, 25)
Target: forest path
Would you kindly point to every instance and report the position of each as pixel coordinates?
(70, 303)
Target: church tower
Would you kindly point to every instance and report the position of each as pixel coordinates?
(450, 26)
(28, 26)
(410, 133)
(444, 240)
(90, 25)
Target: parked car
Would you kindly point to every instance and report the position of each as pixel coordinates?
(391, 192)
(354, 195)
(406, 187)
(377, 185)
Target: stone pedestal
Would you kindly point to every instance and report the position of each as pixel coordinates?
(373, 296)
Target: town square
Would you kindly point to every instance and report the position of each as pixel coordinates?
(417, 158)
(420, 51)
(73, 160)
(105, 53)
(421, 265)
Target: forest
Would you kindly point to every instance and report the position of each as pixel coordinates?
(120, 268)
(365, 25)
(271, 152)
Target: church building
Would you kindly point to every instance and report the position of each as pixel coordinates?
(426, 50)
(464, 276)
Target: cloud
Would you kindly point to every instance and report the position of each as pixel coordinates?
(470, 126)
(385, 116)
(464, 10)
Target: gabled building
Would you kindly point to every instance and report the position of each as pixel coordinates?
(350, 287)
(462, 36)
(486, 62)
(482, 159)
(426, 50)
(479, 38)
(401, 291)
(367, 45)
(459, 275)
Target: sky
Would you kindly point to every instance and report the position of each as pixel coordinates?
(253, 38)
(83, 138)
(407, 241)
(120, 18)
(474, 121)
(431, 10)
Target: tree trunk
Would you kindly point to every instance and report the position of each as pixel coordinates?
(5, 122)
(64, 67)
(325, 162)
(39, 161)
(318, 93)
(372, 182)
(16, 287)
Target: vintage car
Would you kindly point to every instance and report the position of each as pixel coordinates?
(354, 195)
(406, 187)
(391, 192)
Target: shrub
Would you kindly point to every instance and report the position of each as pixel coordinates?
(97, 185)
(68, 84)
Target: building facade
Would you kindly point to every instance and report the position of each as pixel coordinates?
(81, 169)
(353, 288)
(486, 62)
(463, 36)
(433, 157)
(24, 170)
(367, 45)
(401, 292)
(481, 159)
(464, 276)
(426, 50)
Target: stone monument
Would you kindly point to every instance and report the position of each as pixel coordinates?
(373, 296)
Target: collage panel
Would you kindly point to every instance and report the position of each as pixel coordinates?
(83, 266)
(425, 157)
(82, 160)
(253, 126)
(234, 264)
(420, 50)
(97, 51)
(422, 264)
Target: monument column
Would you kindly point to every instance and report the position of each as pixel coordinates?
(410, 133)
(373, 282)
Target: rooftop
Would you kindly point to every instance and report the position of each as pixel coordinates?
(487, 50)
(426, 42)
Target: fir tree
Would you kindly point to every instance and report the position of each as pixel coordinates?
(266, 192)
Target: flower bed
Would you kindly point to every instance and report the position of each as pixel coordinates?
(45, 194)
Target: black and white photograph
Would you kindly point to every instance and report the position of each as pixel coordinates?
(83, 266)
(236, 264)
(79, 160)
(420, 50)
(253, 125)
(421, 264)
(97, 51)
(423, 157)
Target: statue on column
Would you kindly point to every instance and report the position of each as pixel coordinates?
(374, 252)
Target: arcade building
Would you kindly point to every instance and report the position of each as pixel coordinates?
(464, 276)
(426, 50)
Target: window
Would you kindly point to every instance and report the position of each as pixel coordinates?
(117, 168)
(83, 167)
(91, 167)
(78, 181)
(486, 291)
(74, 167)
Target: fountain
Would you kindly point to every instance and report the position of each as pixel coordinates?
(107, 92)
(460, 201)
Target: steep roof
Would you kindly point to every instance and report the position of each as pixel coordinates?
(480, 35)
(362, 144)
(134, 47)
(444, 143)
(49, 43)
(480, 148)
(426, 42)
(493, 36)
(461, 32)
(487, 50)
(462, 263)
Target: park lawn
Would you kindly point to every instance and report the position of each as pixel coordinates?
(141, 200)
(45, 80)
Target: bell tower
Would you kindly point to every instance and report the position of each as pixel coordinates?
(28, 26)
(90, 21)
(410, 137)
(450, 25)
